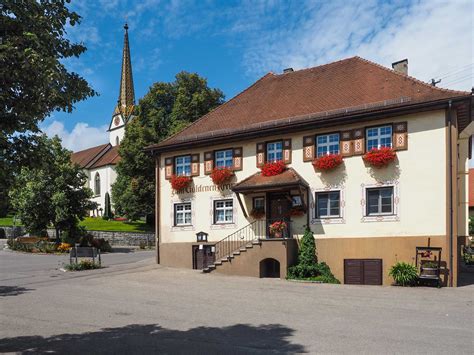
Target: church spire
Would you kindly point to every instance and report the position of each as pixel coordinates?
(126, 99)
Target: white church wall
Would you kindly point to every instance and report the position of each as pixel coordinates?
(107, 175)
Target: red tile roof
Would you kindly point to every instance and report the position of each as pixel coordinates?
(346, 84)
(86, 156)
(111, 157)
(471, 187)
(95, 157)
(258, 182)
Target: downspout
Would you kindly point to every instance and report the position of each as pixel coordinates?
(157, 208)
(308, 211)
(451, 207)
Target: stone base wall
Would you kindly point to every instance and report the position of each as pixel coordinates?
(114, 238)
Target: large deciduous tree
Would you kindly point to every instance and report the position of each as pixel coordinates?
(52, 193)
(164, 110)
(34, 80)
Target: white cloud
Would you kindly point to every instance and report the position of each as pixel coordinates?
(82, 136)
(435, 36)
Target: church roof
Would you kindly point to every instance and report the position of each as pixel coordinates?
(126, 99)
(95, 157)
(342, 88)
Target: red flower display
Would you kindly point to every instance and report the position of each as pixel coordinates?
(274, 168)
(179, 182)
(221, 175)
(380, 157)
(297, 211)
(327, 162)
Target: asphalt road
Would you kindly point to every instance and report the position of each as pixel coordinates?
(135, 306)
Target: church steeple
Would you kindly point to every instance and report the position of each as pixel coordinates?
(126, 99)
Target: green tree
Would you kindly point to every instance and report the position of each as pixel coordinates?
(163, 111)
(34, 80)
(53, 193)
(107, 207)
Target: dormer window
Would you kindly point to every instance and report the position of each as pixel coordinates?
(274, 151)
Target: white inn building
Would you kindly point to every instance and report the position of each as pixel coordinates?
(364, 218)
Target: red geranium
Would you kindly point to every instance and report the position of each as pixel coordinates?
(179, 182)
(380, 157)
(273, 168)
(327, 162)
(221, 175)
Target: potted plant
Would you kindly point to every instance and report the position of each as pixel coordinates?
(257, 213)
(379, 157)
(179, 182)
(297, 211)
(429, 268)
(327, 162)
(273, 168)
(221, 175)
(277, 228)
(404, 274)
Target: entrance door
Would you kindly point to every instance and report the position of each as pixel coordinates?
(279, 206)
(202, 257)
(363, 271)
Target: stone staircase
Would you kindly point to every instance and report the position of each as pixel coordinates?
(234, 254)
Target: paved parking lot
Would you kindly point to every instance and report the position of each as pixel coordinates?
(135, 306)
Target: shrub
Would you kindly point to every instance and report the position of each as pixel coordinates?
(142, 245)
(221, 175)
(82, 265)
(46, 247)
(327, 162)
(179, 182)
(404, 274)
(308, 267)
(2, 233)
(64, 247)
(379, 158)
(273, 168)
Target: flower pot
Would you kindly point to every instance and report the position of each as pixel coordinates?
(278, 234)
(428, 271)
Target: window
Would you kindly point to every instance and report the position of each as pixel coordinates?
(274, 151)
(223, 158)
(259, 203)
(378, 137)
(379, 201)
(97, 184)
(117, 140)
(223, 211)
(328, 204)
(183, 165)
(182, 214)
(327, 144)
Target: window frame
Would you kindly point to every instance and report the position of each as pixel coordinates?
(327, 144)
(231, 150)
(175, 213)
(378, 137)
(328, 207)
(175, 160)
(256, 198)
(97, 184)
(273, 151)
(224, 208)
(379, 202)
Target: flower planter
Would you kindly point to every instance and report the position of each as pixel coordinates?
(297, 212)
(428, 271)
(274, 168)
(220, 176)
(327, 162)
(379, 158)
(257, 213)
(277, 228)
(180, 182)
(277, 235)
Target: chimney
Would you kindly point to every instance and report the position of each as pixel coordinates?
(401, 66)
(288, 70)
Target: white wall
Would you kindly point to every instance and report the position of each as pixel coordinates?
(419, 179)
(108, 176)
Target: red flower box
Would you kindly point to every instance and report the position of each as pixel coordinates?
(297, 211)
(221, 175)
(257, 213)
(274, 168)
(179, 182)
(378, 158)
(327, 162)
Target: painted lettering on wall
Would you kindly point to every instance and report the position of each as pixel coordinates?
(203, 188)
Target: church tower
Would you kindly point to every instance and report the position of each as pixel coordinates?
(126, 100)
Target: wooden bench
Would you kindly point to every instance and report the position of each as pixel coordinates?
(84, 252)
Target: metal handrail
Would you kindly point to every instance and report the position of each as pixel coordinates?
(252, 232)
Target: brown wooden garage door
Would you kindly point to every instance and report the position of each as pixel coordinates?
(363, 271)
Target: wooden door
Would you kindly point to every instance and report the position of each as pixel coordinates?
(279, 210)
(363, 271)
(202, 257)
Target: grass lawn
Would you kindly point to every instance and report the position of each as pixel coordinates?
(98, 224)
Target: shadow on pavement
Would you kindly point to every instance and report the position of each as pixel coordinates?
(152, 338)
(13, 290)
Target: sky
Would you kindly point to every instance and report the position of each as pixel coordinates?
(234, 43)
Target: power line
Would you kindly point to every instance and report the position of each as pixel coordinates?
(453, 71)
(451, 83)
